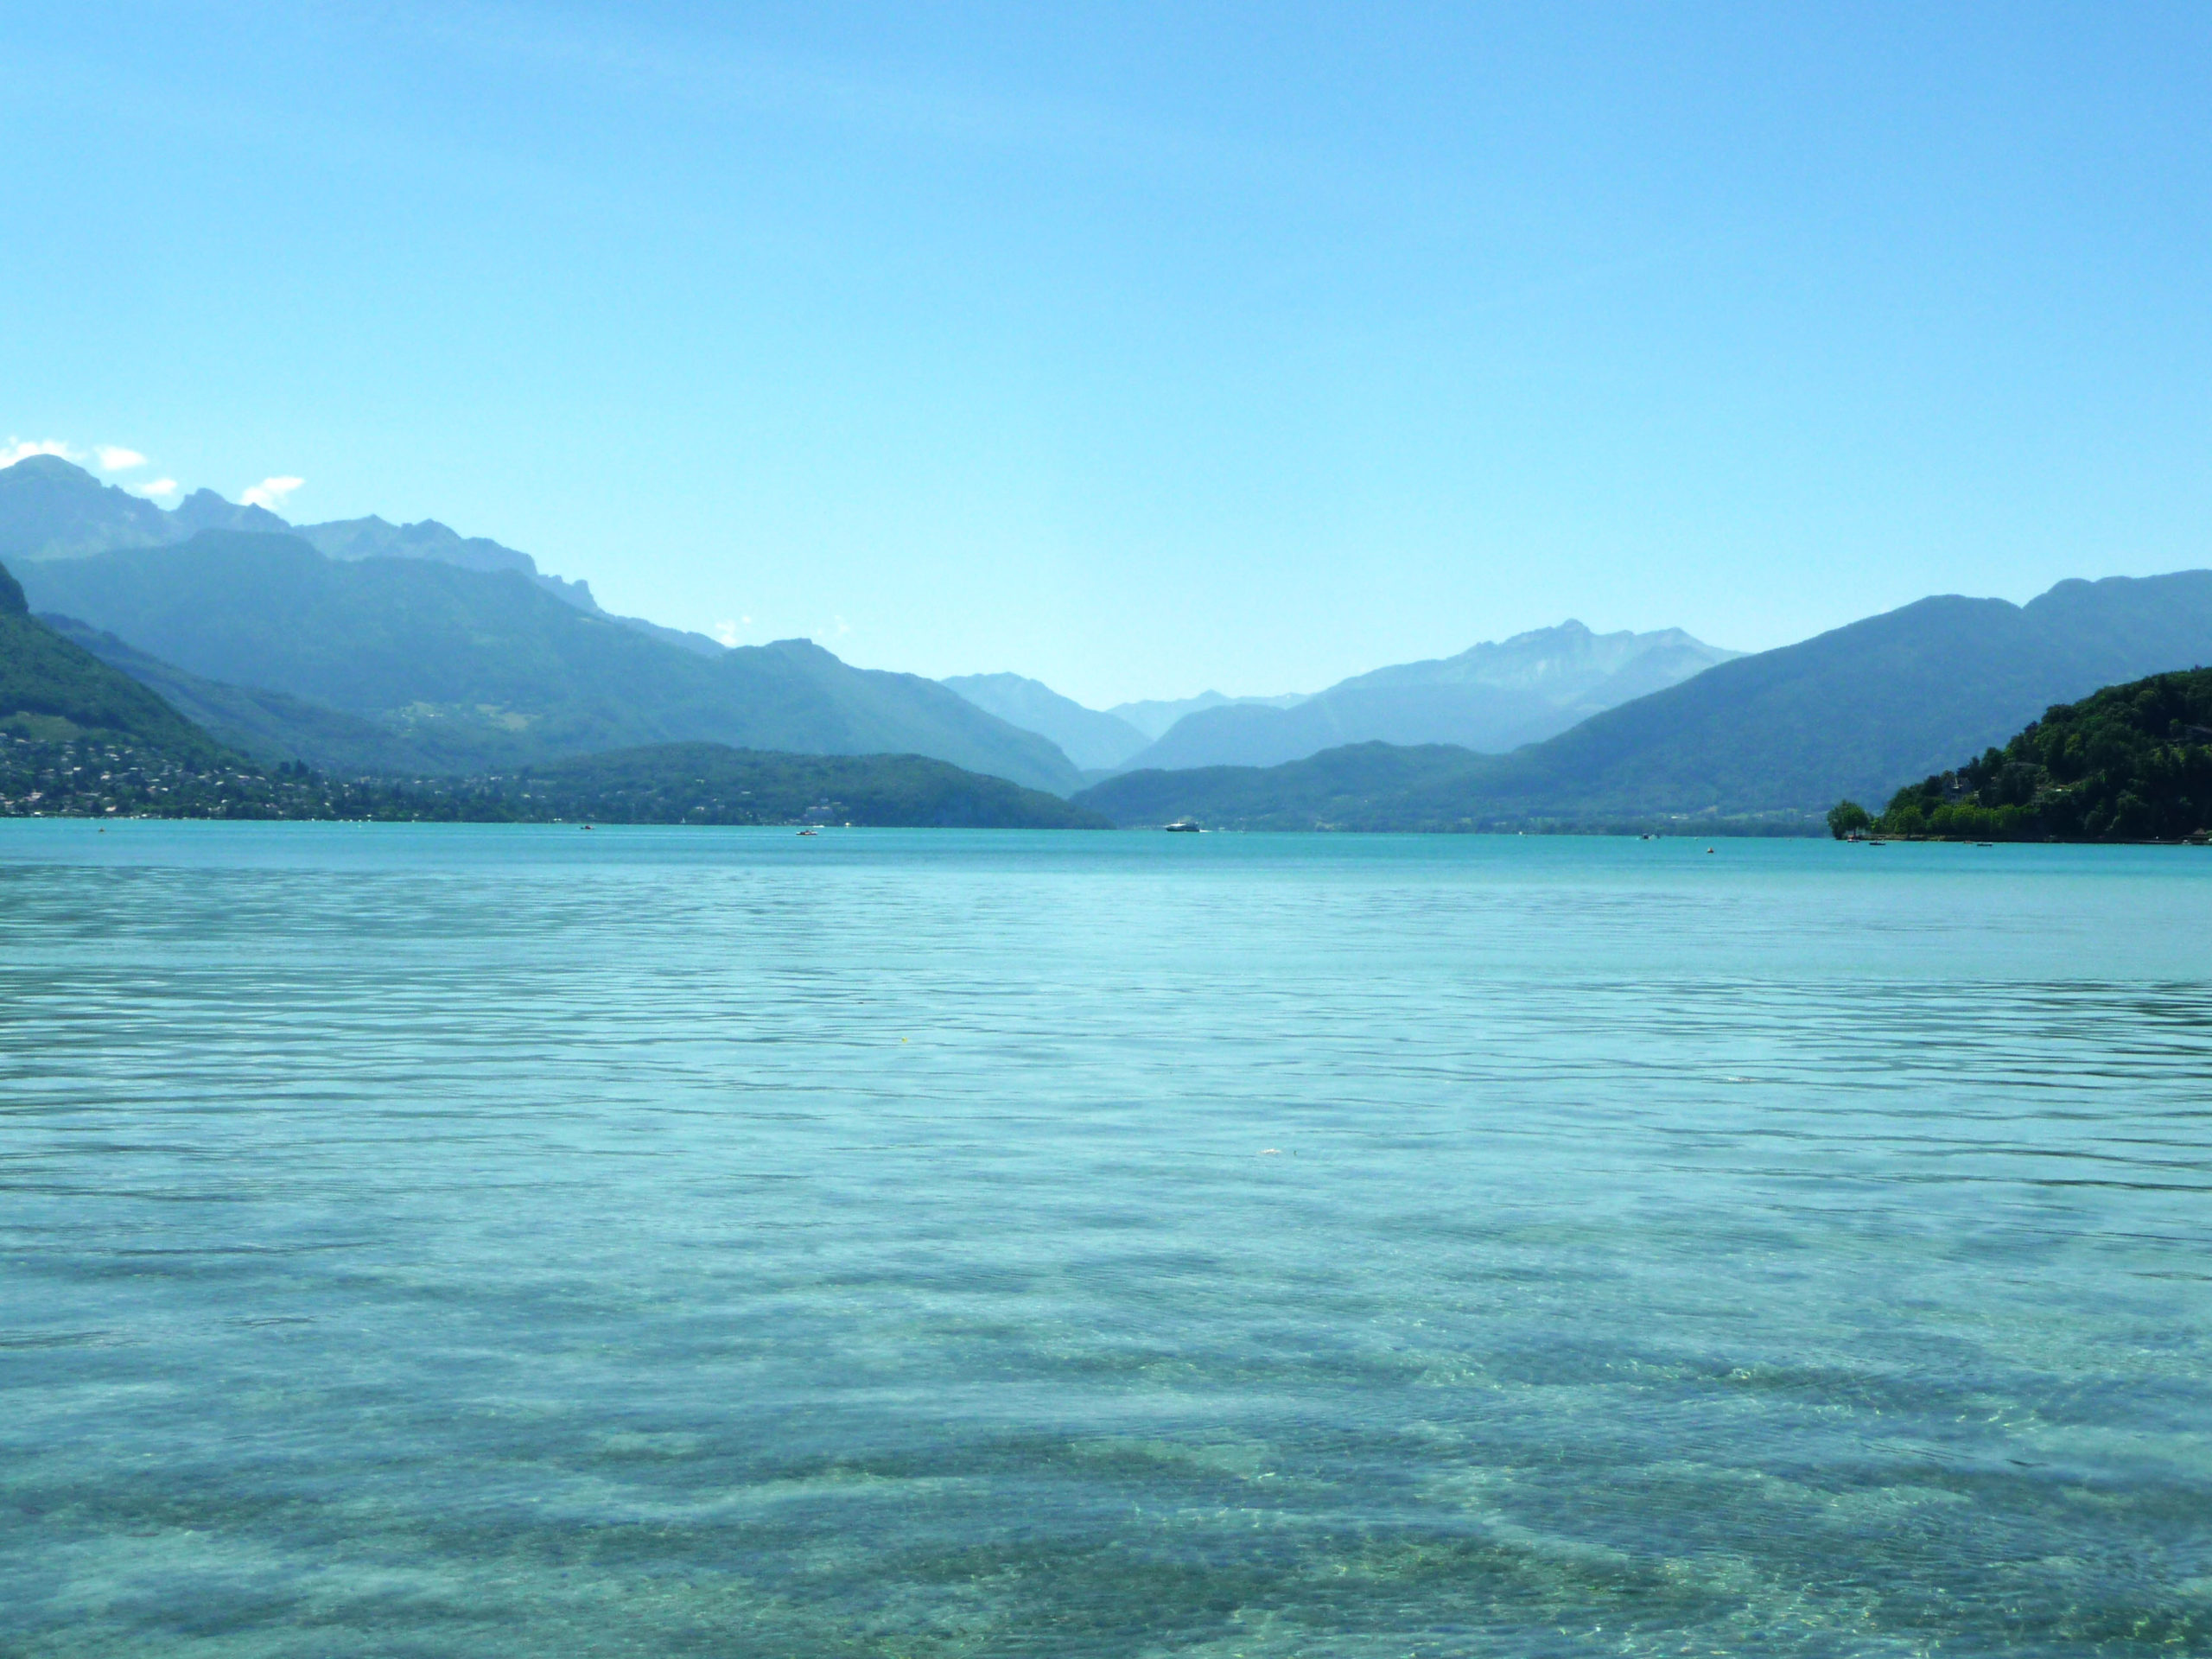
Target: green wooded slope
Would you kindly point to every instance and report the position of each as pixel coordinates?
(52, 690)
(2131, 763)
(486, 669)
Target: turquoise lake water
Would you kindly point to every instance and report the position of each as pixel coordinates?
(521, 1241)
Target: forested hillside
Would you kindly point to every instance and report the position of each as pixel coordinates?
(51, 689)
(485, 670)
(2131, 763)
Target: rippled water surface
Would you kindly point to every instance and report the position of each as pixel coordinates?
(460, 1241)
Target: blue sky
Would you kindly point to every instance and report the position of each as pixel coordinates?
(1138, 349)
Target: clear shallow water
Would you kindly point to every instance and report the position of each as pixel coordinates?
(432, 1241)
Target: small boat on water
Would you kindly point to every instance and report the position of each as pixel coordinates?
(1182, 827)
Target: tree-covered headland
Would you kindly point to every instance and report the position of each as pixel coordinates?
(2132, 762)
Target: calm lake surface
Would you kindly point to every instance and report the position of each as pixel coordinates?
(517, 1240)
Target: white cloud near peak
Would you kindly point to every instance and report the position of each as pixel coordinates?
(114, 458)
(270, 493)
(159, 487)
(17, 450)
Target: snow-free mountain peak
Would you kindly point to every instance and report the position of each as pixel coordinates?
(1095, 741)
(1492, 697)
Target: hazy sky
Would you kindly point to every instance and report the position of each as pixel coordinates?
(1143, 349)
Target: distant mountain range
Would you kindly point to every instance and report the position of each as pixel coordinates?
(1492, 698)
(1853, 712)
(1155, 717)
(363, 648)
(462, 670)
(53, 509)
(1095, 741)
